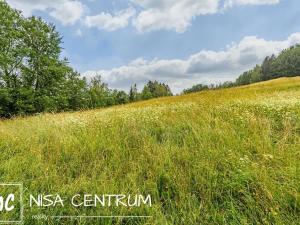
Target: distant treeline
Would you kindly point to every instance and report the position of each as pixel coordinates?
(34, 78)
(286, 64)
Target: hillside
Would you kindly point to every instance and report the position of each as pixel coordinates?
(227, 156)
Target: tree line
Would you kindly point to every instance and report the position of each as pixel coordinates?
(34, 78)
(286, 64)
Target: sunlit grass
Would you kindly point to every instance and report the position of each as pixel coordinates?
(217, 157)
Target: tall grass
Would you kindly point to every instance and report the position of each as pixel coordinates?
(217, 157)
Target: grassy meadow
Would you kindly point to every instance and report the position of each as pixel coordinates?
(228, 156)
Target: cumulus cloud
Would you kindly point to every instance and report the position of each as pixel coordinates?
(171, 14)
(202, 67)
(68, 12)
(109, 22)
(28, 6)
(153, 14)
(65, 11)
(178, 15)
(231, 3)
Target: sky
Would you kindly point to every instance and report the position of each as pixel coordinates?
(179, 42)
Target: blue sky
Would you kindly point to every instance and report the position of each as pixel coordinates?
(180, 42)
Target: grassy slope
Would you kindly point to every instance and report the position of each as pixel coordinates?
(217, 157)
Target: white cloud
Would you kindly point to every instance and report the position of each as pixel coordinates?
(178, 15)
(231, 3)
(65, 11)
(68, 12)
(28, 6)
(153, 14)
(171, 14)
(203, 67)
(109, 22)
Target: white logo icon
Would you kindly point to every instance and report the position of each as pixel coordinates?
(11, 203)
(7, 204)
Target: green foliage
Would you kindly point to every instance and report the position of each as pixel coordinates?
(154, 89)
(133, 93)
(33, 78)
(267, 71)
(146, 93)
(6, 102)
(98, 92)
(121, 97)
(251, 76)
(196, 88)
(99, 95)
(287, 63)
